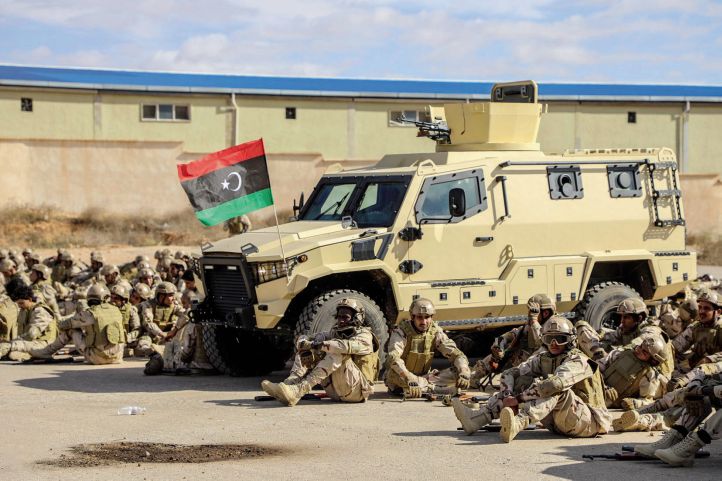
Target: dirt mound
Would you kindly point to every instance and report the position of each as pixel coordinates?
(103, 454)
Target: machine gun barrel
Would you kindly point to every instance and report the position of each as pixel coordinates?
(433, 130)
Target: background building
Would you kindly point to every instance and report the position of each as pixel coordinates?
(80, 139)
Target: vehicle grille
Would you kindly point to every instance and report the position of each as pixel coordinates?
(226, 288)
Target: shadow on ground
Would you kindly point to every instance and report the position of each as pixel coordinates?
(99, 379)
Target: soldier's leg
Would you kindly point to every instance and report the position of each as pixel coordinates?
(46, 352)
(442, 382)
(144, 347)
(112, 355)
(564, 413)
(20, 350)
(682, 453)
(474, 419)
(290, 394)
(348, 384)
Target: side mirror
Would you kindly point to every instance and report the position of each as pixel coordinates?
(297, 208)
(457, 202)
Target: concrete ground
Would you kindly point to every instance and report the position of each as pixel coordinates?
(48, 408)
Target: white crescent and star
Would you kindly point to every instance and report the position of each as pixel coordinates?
(226, 184)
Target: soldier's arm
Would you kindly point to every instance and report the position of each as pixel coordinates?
(134, 326)
(39, 321)
(447, 347)
(397, 343)
(649, 385)
(530, 367)
(572, 370)
(149, 324)
(361, 344)
(683, 341)
(606, 361)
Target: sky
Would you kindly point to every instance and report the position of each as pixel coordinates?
(620, 41)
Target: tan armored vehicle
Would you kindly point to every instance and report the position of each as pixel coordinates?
(477, 227)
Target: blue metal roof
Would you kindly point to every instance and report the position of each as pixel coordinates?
(307, 86)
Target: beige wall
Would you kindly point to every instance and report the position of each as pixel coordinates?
(703, 202)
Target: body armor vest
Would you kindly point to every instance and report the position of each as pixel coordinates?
(125, 313)
(50, 332)
(107, 329)
(707, 340)
(589, 390)
(8, 320)
(163, 316)
(419, 349)
(368, 364)
(625, 373)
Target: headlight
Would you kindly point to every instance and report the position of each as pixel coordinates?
(270, 271)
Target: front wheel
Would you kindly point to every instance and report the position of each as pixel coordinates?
(319, 315)
(600, 303)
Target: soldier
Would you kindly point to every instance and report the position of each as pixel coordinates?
(36, 325)
(703, 388)
(32, 259)
(120, 298)
(96, 332)
(557, 386)
(189, 283)
(9, 270)
(43, 289)
(514, 347)
(175, 274)
(633, 317)
(71, 269)
(343, 360)
(130, 270)
(703, 338)
(147, 276)
(633, 371)
(411, 349)
(157, 317)
(8, 319)
(111, 276)
(94, 274)
(139, 295)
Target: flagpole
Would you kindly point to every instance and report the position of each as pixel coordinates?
(280, 242)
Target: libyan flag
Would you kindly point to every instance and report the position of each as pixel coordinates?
(228, 183)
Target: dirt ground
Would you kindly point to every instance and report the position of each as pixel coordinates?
(50, 408)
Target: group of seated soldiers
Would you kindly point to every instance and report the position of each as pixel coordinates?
(665, 372)
(107, 312)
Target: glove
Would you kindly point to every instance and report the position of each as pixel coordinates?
(303, 344)
(497, 354)
(533, 308)
(317, 344)
(627, 404)
(463, 380)
(413, 391)
(64, 324)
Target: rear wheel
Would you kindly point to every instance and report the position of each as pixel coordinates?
(241, 353)
(601, 301)
(319, 315)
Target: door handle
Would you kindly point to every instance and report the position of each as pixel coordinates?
(484, 239)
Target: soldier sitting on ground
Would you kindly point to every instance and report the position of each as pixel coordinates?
(120, 298)
(96, 332)
(411, 349)
(112, 278)
(158, 317)
(36, 324)
(43, 288)
(703, 338)
(344, 360)
(678, 445)
(9, 270)
(8, 319)
(557, 386)
(514, 347)
(633, 371)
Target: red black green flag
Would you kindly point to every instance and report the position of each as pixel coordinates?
(228, 183)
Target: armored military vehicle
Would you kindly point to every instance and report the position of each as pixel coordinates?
(478, 227)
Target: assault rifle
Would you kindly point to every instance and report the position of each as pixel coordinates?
(437, 131)
(501, 363)
(628, 454)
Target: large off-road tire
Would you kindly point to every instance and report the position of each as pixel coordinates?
(601, 301)
(319, 315)
(241, 353)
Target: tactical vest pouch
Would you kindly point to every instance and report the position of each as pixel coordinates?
(418, 352)
(369, 364)
(591, 389)
(113, 334)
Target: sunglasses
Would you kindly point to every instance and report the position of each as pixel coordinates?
(559, 339)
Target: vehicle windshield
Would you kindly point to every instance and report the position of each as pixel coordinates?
(371, 202)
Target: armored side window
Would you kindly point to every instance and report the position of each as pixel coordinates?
(432, 206)
(565, 182)
(624, 180)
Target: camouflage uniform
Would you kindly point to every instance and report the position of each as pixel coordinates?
(8, 319)
(410, 354)
(704, 342)
(588, 340)
(564, 392)
(36, 327)
(675, 319)
(96, 332)
(157, 320)
(626, 376)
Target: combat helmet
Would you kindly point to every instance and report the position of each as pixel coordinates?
(422, 307)
(109, 269)
(357, 319)
(44, 271)
(142, 291)
(166, 288)
(560, 330)
(708, 296)
(98, 292)
(656, 348)
(121, 291)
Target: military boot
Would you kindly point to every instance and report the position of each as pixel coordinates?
(633, 421)
(4, 349)
(19, 356)
(471, 419)
(290, 395)
(669, 439)
(511, 424)
(292, 379)
(271, 388)
(682, 453)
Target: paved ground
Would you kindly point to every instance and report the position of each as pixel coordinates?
(48, 408)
